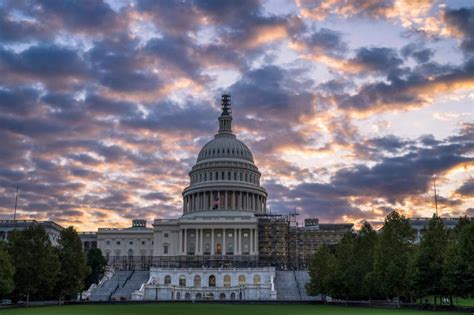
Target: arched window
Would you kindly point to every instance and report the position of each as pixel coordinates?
(167, 280)
(187, 296)
(227, 281)
(222, 296)
(232, 296)
(178, 296)
(212, 281)
(241, 280)
(198, 296)
(182, 281)
(197, 281)
(256, 279)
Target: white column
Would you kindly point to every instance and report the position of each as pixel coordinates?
(256, 242)
(185, 241)
(251, 241)
(180, 246)
(212, 242)
(196, 248)
(200, 241)
(224, 250)
(235, 241)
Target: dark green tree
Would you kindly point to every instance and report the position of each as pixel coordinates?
(7, 271)
(363, 262)
(73, 267)
(36, 263)
(430, 258)
(341, 282)
(392, 256)
(454, 268)
(466, 252)
(321, 271)
(97, 264)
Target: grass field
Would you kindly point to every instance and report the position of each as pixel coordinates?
(208, 309)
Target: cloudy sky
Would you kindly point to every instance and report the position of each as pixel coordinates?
(350, 107)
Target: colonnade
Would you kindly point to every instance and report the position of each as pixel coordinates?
(224, 199)
(216, 241)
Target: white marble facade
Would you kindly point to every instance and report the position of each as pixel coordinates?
(209, 284)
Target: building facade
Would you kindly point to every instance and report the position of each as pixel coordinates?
(52, 229)
(225, 245)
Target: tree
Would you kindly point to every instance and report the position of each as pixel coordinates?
(73, 267)
(321, 271)
(466, 251)
(430, 259)
(36, 263)
(363, 262)
(341, 282)
(7, 271)
(97, 264)
(392, 255)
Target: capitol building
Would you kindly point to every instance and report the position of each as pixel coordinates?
(225, 245)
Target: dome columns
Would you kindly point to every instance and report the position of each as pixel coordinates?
(224, 199)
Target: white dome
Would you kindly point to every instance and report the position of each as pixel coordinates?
(225, 146)
(224, 180)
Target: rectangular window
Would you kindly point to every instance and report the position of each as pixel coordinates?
(165, 249)
(166, 234)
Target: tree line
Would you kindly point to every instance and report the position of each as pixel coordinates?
(390, 265)
(31, 268)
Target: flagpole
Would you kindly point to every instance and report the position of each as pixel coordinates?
(16, 204)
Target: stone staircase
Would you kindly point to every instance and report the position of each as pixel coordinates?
(109, 287)
(286, 286)
(134, 283)
(290, 285)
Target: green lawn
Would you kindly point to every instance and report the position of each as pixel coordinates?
(207, 309)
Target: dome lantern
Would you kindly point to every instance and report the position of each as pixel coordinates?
(225, 119)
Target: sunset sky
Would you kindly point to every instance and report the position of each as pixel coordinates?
(349, 107)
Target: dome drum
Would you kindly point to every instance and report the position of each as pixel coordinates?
(224, 176)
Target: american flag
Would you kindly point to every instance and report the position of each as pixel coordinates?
(215, 203)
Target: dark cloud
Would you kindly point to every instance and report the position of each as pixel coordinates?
(327, 40)
(462, 21)
(20, 100)
(378, 59)
(21, 30)
(408, 88)
(395, 178)
(417, 52)
(467, 189)
(94, 16)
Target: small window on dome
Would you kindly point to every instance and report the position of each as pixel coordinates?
(210, 176)
(240, 176)
(223, 176)
(217, 176)
(214, 151)
(218, 151)
(235, 175)
(228, 175)
(232, 151)
(228, 151)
